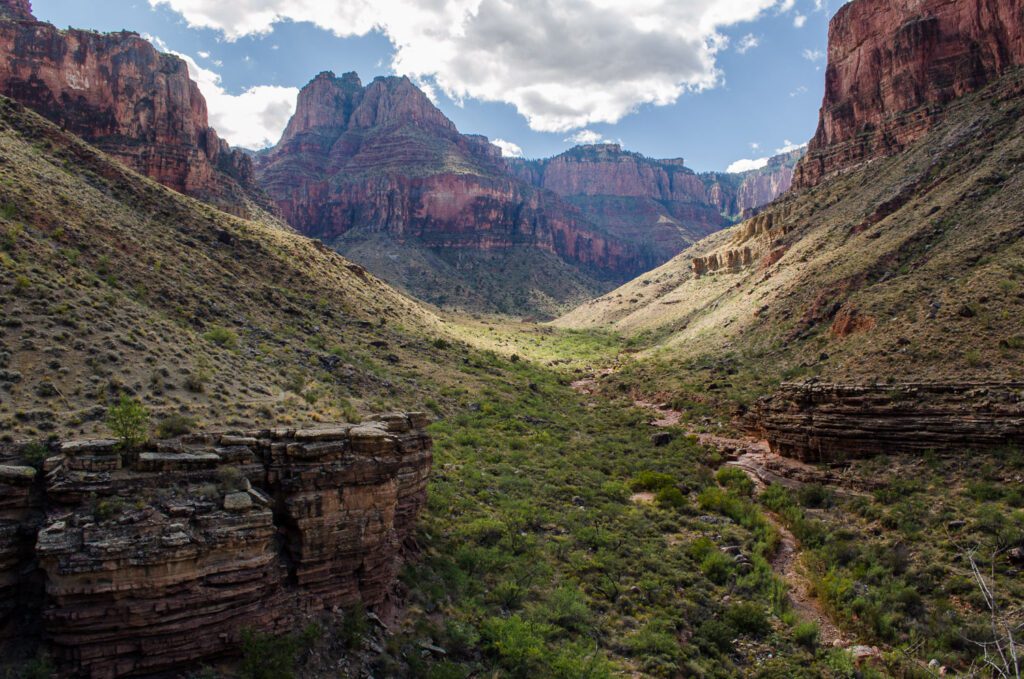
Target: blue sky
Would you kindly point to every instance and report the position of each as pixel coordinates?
(706, 80)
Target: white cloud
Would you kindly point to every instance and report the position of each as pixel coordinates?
(253, 119)
(788, 146)
(203, 55)
(508, 149)
(747, 43)
(813, 55)
(802, 89)
(799, 20)
(754, 146)
(747, 164)
(564, 64)
(586, 137)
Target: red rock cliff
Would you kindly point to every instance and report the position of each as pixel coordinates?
(383, 157)
(147, 562)
(117, 92)
(893, 64)
(660, 204)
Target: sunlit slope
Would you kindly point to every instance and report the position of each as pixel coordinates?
(908, 267)
(111, 283)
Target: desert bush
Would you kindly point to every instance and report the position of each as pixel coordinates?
(222, 337)
(129, 420)
(175, 425)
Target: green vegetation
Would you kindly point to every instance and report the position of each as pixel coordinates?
(222, 337)
(129, 421)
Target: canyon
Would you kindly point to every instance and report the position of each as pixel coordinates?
(138, 562)
(136, 104)
(379, 169)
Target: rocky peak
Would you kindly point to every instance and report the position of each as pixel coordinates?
(393, 100)
(325, 105)
(17, 9)
(894, 64)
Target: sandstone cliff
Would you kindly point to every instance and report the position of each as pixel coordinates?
(382, 158)
(159, 559)
(660, 204)
(118, 93)
(818, 422)
(892, 67)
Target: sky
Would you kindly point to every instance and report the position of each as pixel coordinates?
(724, 84)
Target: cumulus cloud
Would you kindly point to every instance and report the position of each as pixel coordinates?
(585, 137)
(564, 64)
(813, 55)
(788, 146)
(747, 43)
(508, 149)
(747, 164)
(799, 20)
(253, 119)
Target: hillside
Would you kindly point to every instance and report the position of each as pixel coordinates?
(114, 283)
(908, 266)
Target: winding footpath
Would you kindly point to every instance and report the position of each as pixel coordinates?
(762, 466)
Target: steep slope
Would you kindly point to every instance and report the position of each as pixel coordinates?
(909, 268)
(659, 204)
(138, 105)
(114, 284)
(893, 66)
(380, 163)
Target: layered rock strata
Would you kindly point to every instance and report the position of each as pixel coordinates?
(893, 65)
(158, 559)
(660, 204)
(818, 422)
(383, 158)
(117, 92)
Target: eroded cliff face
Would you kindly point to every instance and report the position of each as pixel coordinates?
(158, 559)
(819, 422)
(118, 93)
(894, 64)
(660, 204)
(383, 158)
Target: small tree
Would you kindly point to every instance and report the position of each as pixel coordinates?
(129, 421)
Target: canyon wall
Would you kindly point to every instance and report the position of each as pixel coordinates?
(894, 64)
(383, 158)
(660, 204)
(819, 422)
(118, 93)
(158, 559)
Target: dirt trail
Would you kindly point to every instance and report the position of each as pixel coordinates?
(756, 459)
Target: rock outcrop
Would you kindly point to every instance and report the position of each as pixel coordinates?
(892, 67)
(818, 422)
(117, 92)
(383, 158)
(158, 559)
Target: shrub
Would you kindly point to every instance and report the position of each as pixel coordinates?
(716, 567)
(806, 634)
(671, 498)
(652, 482)
(748, 618)
(354, 627)
(222, 337)
(265, 656)
(736, 480)
(175, 425)
(129, 421)
(518, 644)
(815, 495)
